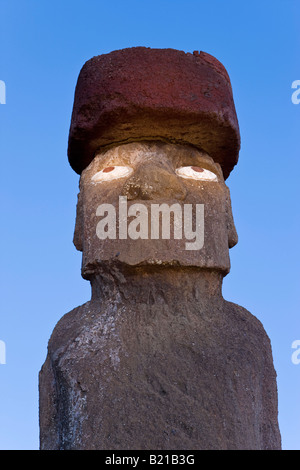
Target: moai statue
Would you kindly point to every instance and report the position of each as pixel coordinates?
(157, 359)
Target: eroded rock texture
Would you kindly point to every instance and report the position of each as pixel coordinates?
(162, 361)
(157, 359)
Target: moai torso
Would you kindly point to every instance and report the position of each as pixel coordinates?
(157, 359)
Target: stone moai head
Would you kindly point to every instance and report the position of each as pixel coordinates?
(154, 135)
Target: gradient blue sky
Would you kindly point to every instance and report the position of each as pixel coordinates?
(43, 46)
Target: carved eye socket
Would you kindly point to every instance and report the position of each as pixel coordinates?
(111, 173)
(196, 173)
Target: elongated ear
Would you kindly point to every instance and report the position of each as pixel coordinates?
(78, 232)
(232, 233)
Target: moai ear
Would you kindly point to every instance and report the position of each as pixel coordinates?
(232, 233)
(78, 232)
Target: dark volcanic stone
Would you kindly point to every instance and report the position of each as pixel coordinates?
(154, 94)
(161, 362)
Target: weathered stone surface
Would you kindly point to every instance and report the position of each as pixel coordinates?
(154, 181)
(157, 359)
(162, 361)
(154, 94)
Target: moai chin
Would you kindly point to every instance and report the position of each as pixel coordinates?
(157, 359)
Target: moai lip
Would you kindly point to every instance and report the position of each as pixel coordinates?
(141, 93)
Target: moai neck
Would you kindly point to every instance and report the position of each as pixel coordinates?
(157, 285)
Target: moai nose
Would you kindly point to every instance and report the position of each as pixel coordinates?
(152, 182)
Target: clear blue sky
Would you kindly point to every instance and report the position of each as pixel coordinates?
(43, 46)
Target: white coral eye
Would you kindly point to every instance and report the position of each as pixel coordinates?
(111, 173)
(196, 173)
